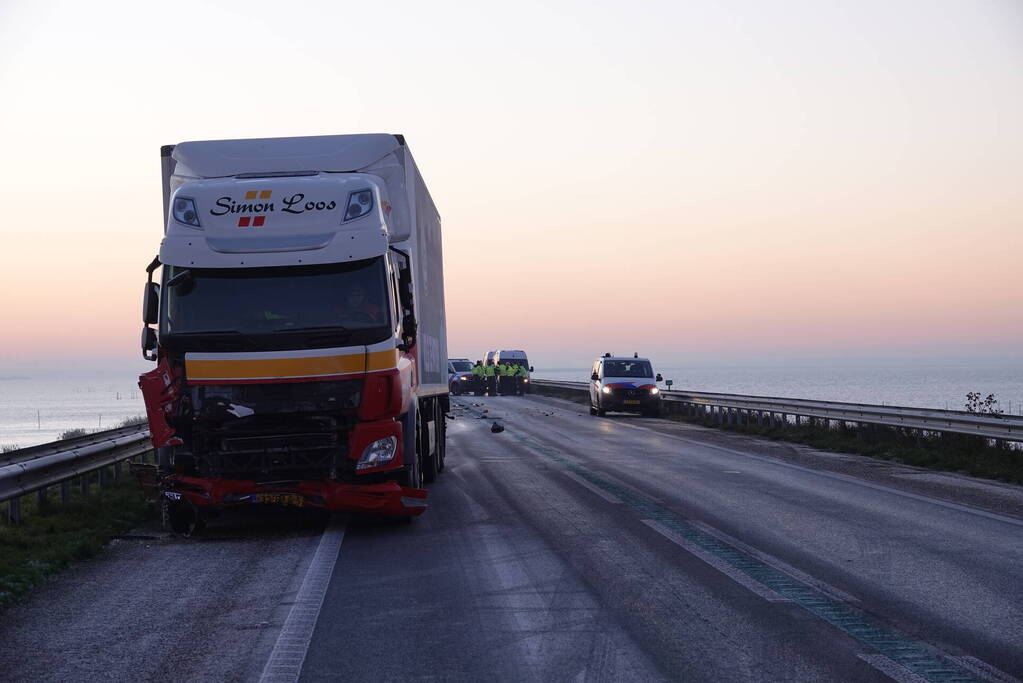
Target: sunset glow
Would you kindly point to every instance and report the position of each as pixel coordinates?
(739, 177)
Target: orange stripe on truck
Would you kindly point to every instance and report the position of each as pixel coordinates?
(271, 368)
(381, 360)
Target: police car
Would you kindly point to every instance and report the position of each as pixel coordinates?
(459, 375)
(624, 384)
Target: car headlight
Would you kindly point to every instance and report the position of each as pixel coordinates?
(655, 391)
(606, 390)
(380, 452)
(525, 379)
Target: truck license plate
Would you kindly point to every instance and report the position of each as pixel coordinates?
(630, 403)
(280, 499)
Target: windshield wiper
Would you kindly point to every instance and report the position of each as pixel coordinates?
(200, 332)
(316, 328)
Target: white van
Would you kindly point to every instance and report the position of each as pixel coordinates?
(624, 384)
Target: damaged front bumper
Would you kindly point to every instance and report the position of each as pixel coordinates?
(387, 498)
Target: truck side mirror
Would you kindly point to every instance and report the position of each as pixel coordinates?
(659, 378)
(149, 343)
(151, 303)
(408, 332)
(594, 377)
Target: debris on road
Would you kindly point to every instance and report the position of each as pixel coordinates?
(497, 428)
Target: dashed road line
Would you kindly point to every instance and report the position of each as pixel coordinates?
(713, 560)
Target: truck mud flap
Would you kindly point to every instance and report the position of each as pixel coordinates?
(387, 498)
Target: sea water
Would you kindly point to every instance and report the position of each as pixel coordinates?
(38, 410)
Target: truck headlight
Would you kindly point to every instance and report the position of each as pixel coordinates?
(380, 452)
(655, 391)
(183, 209)
(360, 203)
(606, 390)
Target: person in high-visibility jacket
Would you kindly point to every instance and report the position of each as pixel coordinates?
(490, 379)
(507, 380)
(479, 379)
(521, 377)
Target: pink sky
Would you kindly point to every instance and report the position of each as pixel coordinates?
(706, 178)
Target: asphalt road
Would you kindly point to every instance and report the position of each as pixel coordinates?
(568, 547)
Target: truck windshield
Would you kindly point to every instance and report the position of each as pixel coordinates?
(331, 301)
(627, 368)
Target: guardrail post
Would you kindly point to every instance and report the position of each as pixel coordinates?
(103, 482)
(14, 510)
(83, 484)
(42, 499)
(65, 492)
(117, 470)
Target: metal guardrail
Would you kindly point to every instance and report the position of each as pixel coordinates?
(36, 468)
(730, 408)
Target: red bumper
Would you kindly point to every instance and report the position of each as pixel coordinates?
(386, 499)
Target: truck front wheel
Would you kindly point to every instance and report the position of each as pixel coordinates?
(412, 475)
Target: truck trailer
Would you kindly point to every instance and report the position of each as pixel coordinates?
(300, 340)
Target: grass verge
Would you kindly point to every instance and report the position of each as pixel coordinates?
(971, 455)
(50, 539)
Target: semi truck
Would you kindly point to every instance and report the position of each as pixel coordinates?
(298, 329)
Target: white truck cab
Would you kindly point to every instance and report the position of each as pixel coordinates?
(624, 384)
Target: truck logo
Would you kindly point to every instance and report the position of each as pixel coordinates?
(226, 205)
(293, 204)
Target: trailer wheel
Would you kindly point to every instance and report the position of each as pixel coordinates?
(430, 464)
(442, 438)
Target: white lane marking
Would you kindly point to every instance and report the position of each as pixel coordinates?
(728, 570)
(840, 477)
(288, 654)
(892, 670)
(773, 561)
(593, 487)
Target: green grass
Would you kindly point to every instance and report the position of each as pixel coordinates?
(48, 540)
(962, 453)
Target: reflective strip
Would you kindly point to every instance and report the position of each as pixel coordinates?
(381, 360)
(275, 367)
(279, 368)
